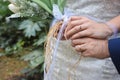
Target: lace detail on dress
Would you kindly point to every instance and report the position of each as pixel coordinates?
(101, 9)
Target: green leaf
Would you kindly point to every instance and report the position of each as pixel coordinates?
(41, 23)
(42, 69)
(61, 4)
(29, 28)
(44, 4)
(41, 39)
(2, 54)
(36, 27)
(36, 58)
(33, 55)
(53, 2)
(47, 2)
(4, 8)
(36, 62)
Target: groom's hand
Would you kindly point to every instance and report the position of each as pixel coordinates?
(90, 47)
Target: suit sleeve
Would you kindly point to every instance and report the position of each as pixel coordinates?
(114, 49)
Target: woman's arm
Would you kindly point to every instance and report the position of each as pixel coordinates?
(116, 21)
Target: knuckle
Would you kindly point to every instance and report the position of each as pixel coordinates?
(72, 23)
(79, 34)
(76, 49)
(73, 42)
(89, 33)
(89, 23)
(76, 29)
(69, 24)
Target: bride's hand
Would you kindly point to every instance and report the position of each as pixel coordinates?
(84, 27)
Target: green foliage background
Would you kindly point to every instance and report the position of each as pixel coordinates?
(25, 31)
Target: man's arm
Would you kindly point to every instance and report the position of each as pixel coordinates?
(114, 49)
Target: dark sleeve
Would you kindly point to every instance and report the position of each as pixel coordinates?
(114, 49)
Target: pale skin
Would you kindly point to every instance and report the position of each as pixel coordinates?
(90, 37)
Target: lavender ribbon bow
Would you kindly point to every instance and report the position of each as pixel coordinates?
(57, 17)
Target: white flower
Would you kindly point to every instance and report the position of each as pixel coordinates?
(13, 8)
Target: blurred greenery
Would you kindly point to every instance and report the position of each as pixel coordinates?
(26, 28)
(4, 9)
(28, 31)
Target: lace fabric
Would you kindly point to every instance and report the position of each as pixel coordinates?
(87, 69)
(101, 9)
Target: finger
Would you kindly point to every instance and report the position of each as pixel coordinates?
(84, 33)
(90, 51)
(77, 18)
(86, 54)
(80, 48)
(72, 18)
(74, 23)
(78, 42)
(77, 29)
(74, 30)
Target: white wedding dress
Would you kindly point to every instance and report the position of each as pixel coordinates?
(67, 65)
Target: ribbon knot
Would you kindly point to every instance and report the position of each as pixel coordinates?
(59, 16)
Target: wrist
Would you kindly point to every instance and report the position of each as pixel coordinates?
(113, 30)
(107, 30)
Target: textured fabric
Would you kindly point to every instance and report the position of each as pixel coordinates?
(86, 68)
(114, 48)
(101, 9)
(68, 66)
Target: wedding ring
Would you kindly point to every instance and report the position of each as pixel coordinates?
(80, 27)
(77, 29)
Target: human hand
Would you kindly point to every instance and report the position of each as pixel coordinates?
(84, 27)
(90, 47)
